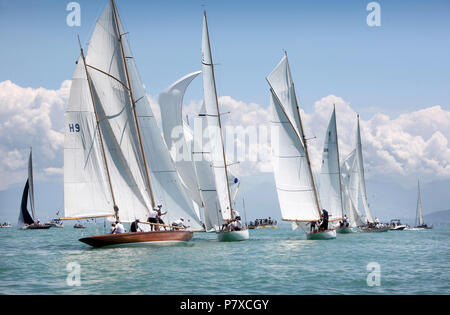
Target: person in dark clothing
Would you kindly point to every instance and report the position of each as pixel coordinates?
(324, 225)
(134, 226)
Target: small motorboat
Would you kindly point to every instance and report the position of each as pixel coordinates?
(5, 225)
(79, 226)
(396, 225)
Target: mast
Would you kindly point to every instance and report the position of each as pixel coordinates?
(116, 213)
(218, 116)
(316, 196)
(339, 164)
(130, 89)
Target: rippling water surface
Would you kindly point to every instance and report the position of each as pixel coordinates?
(277, 261)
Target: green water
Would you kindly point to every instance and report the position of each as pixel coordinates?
(277, 261)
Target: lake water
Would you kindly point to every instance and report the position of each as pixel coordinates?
(278, 261)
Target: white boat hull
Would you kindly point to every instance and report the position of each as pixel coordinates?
(325, 235)
(398, 228)
(233, 236)
(347, 230)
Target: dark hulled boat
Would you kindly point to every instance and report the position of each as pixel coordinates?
(153, 237)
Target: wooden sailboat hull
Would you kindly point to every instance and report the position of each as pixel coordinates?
(346, 230)
(323, 235)
(153, 237)
(233, 236)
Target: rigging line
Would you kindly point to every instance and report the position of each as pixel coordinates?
(109, 75)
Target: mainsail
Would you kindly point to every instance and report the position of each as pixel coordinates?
(114, 152)
(293, 175)
(419, 212)
(362, 180)
(24, 216)
(330, 174)
(214, 128)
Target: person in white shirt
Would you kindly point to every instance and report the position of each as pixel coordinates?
(179, 223)
(153, 218)
(119, 228)
(235, 214)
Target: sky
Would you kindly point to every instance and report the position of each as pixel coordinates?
(396, 76)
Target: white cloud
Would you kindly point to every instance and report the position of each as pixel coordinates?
(406, 147)
(30, 117)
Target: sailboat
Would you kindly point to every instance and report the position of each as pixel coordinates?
(194, 170)
(371, 224)
(27, 221)
(330, 190)
(296, 188)
(419, 224)
(116, 164)
(350, 191)
(217, 159)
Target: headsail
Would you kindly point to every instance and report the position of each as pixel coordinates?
(293, 175)
(362, 180)
(350, 185)
(218, 160)
(330, 174)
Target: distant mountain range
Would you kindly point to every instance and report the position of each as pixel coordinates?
(438, 218)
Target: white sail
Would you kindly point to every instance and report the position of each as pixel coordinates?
(218, 161)
(280, 80)
(166, 184)
(330, 173)
(419, 212)
(292, 179)
(171, 102)
(350, 188)
(86, 187)
(117, 122)
(112, 92)
(205, 175)
(362, 181)
(31, 184)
